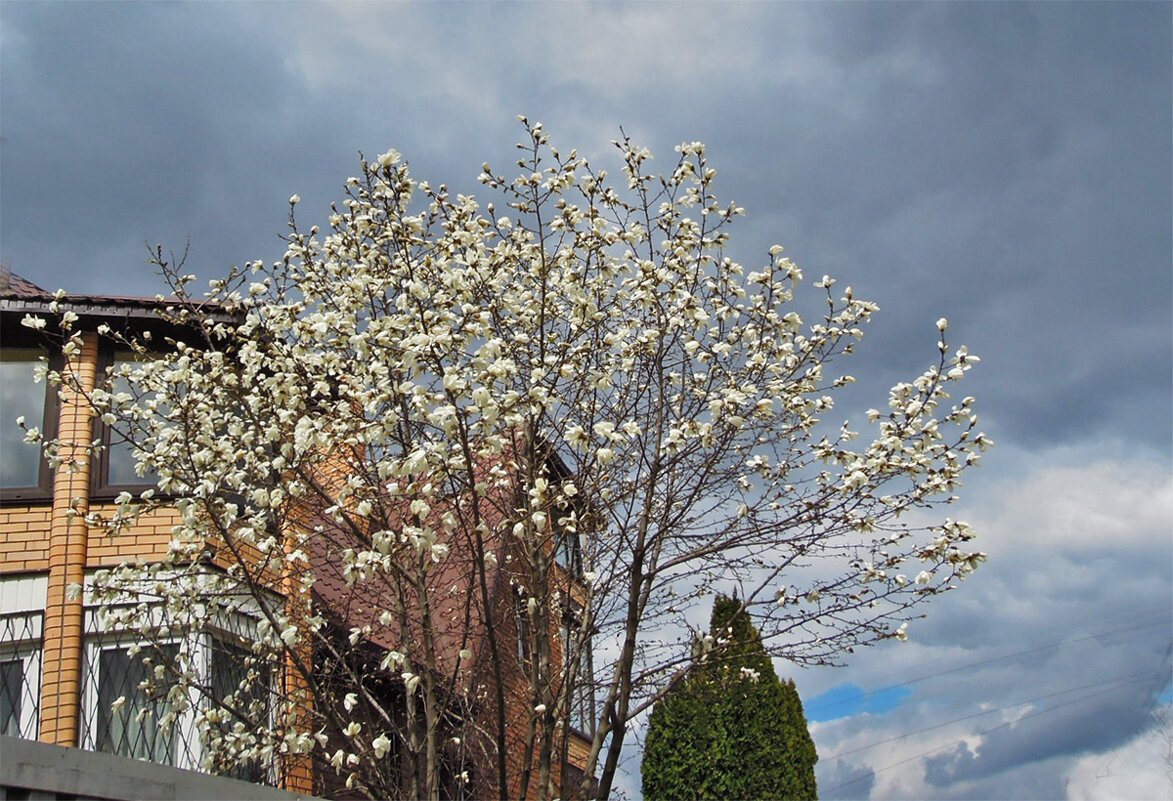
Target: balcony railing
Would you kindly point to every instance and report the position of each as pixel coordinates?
(131, 701)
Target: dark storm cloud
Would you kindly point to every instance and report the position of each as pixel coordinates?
(1004, 165)
(1089, 723)
(1015, 178)
(128, 123)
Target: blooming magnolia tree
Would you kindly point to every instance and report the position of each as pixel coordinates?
(571, 392)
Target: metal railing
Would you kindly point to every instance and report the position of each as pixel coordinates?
(132, 701)
(146, 690)
(20, 673)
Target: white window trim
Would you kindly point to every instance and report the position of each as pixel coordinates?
(190, 752)
(26, 595)
(29, 654)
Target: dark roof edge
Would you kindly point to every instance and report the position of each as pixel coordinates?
(96, 306)
(17, 292)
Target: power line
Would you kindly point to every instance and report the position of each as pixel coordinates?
(992, 660)
(980, 733)
(1123, 680)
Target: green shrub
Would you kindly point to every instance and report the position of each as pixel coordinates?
(730, 729)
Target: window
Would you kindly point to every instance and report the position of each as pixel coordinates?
(572, 776)
(11, 682)
(24, 474)
(20, 658)
(133, 710)
(143, 698)
(521, 613)
(582, 701)
(244, 692)
(116, 465)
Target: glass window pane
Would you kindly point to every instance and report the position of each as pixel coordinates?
(243, 691)
(19, 396)
(133, 728)
(12, 678)
(120, 456)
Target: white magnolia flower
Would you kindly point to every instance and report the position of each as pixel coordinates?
(381, 745)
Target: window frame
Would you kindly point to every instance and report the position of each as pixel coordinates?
(100, 487)
(42, 491)
(582, 706)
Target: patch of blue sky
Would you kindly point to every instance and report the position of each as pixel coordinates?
(847, 699)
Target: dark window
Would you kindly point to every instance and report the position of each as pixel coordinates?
(139, 684)
(24, 474)
(12, 676)
(116, 466)
(521, 612)
(242, 691)
(572, 776)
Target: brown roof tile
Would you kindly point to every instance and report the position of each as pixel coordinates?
(14, 286)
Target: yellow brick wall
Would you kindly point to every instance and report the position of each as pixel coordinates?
(24, 539)
(145, 541)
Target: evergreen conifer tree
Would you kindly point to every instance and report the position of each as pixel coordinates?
(731, 729)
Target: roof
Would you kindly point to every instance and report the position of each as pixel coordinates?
(20, 295)
(12, 285)
(457, 617)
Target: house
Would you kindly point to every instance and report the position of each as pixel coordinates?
(74, 671)
(62, 669)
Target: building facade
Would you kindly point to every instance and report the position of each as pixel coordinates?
(74, 676)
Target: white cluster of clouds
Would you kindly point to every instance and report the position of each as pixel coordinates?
(1042, 669)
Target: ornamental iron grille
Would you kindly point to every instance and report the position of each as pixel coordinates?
(192, 696)
(20, 673)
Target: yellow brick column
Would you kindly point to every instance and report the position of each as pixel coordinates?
(297, 770)
(61, 671)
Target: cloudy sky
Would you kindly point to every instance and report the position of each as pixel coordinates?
(1005, 165)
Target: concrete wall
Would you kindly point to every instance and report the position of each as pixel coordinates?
(34, 770)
